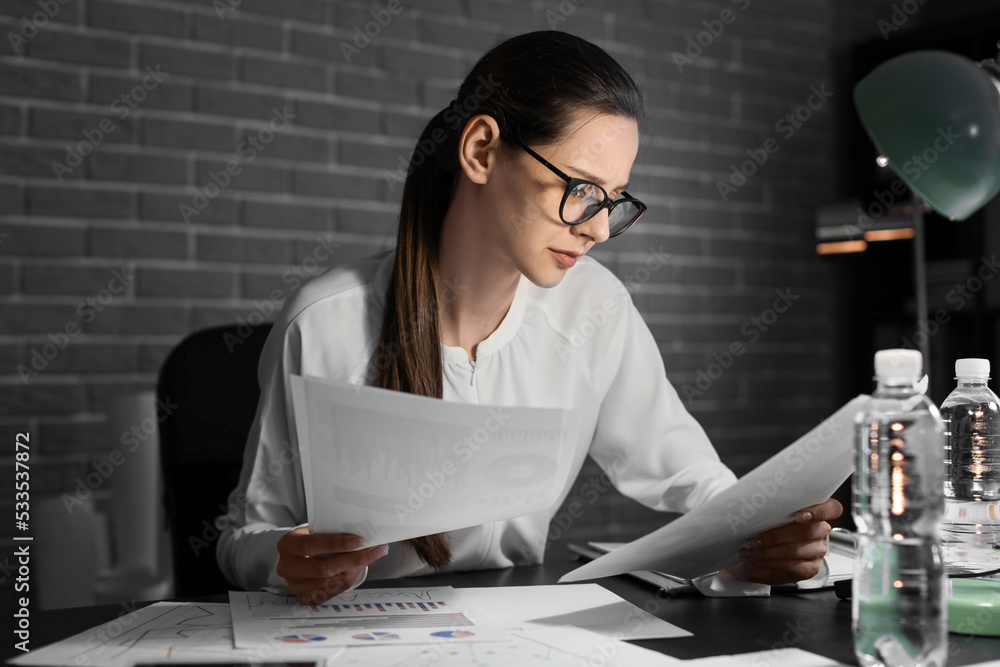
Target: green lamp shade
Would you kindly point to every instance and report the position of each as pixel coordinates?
(936, 117)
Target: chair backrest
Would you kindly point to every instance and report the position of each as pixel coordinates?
(208, 395)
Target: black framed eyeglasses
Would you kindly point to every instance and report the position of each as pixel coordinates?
(584, 199)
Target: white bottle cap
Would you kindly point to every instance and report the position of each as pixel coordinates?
(898, 364)
(972, 368)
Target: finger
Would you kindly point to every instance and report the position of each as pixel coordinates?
(813, 550)
(776, 574)
(828, 510)
(325, 567)
(306, 544)
(788, 534)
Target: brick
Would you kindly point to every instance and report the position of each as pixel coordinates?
(204, 318)
(456, 33)
(197, 61)
(336, 116)
(401, 26)
(37, 318)
(707, 275)
(8, 279)
(174, 133)
(10, 119)
(330, 47)
(42, 396)
(136, 243)
(310, 11)
(116, 279)
(71, 203)
(60, 124)
(166, 207)
(333, 184)
(23, 160)
(288, 145)
(505, 14)
(142, 168)
(255, 176)
(125, 94)
(28, 80)
(232, 102)
(67, 12)
(346, 251)
(370, 86)
(285, 73)
(131, 17)
(72, 437)
(241, 249)
(236, 31)
(186, 283)
(36, 239)
(91, 358)
(367, 221)
(101, 391)
(286, 215)
(374, 156)
(153, 355)
(81, 49)
(422, 60)
(123, 319)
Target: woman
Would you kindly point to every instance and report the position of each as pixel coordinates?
(485, 300)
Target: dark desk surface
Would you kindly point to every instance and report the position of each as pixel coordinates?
(816, 622)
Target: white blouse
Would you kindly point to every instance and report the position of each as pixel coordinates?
(580, 345)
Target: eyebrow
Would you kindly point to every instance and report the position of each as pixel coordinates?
(591, 177)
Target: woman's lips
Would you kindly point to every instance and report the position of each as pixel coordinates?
(565, 258)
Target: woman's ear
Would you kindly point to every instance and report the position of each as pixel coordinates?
(478, 148)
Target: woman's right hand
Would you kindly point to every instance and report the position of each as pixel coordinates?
(317, 567)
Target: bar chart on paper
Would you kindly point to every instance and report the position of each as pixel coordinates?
(357, 618)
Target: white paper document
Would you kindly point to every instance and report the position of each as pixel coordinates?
(389, 466)
(181, 632)
(707, 538)
(585, 606)
(367, 617)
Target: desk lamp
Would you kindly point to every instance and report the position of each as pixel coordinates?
(935, 119)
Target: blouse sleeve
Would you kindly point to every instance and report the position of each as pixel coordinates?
(651, 448)
(269, 499)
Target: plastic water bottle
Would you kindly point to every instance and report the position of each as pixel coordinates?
(970, 533)
(899, 609)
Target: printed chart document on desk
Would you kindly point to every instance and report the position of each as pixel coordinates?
(707, 538)
(389, 466)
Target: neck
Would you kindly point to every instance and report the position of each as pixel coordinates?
(476, 284)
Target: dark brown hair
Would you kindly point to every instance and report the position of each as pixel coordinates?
(531, 85)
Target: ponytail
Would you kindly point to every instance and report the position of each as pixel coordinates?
(408, 357)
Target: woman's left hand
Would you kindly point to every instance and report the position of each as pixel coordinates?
(789, 553)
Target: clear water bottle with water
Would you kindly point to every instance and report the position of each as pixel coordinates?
(899, 604)
(970, 533)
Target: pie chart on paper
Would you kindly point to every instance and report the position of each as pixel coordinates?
(301, 639)
(375, 636)
(454, 634)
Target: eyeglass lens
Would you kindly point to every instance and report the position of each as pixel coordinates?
(584, 199)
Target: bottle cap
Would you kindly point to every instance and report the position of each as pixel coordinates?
(972, 368)
(898, 364)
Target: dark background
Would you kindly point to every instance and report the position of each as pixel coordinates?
(325, 175)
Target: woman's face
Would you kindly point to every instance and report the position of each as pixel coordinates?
(527, 194)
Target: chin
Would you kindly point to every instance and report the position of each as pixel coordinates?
(546, 278)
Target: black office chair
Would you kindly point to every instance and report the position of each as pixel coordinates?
(211, 376)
